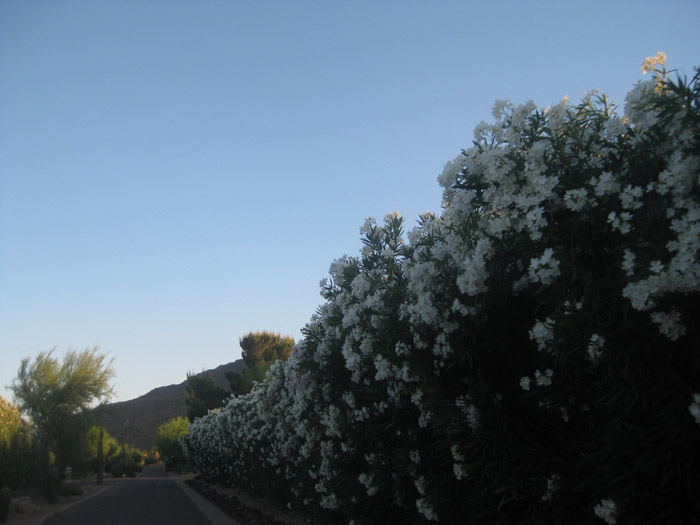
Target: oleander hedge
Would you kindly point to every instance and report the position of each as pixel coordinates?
(530, 355)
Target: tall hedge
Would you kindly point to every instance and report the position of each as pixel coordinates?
(531, 355)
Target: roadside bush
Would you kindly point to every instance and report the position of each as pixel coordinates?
(125, 467)
(529, 356)
(168, 443)
(67, 489)
(152, 456)
(23, 458)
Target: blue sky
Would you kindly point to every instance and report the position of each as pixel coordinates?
(174, 174)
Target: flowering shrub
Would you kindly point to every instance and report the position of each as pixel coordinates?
(528, 356)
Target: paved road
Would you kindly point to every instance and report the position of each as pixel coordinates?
(150, 499)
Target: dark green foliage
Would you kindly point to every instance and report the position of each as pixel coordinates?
(4, 503)
(168, 442)
(128, 463)
(52, 483)
(260, 350)
(67, 489)
(202, 395)
(23, 456)
(100, 463)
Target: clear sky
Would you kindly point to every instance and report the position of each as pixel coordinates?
(174, 174)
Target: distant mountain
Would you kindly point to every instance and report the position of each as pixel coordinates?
(136, 421)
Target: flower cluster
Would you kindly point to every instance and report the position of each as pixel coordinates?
(507, 358)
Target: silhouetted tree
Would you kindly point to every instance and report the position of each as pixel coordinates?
(260, 350)
(202, 394)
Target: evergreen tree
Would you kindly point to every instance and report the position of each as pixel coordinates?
(202, 394)
(260, 350)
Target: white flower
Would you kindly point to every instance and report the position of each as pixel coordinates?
(426, 510)
(458, 456)
(392, 216)
(542, 333)
(415, 456)
(417, 396)
(420, 485)
(694, 408)
(552, 486)
(525, 383)
(544, 269)
(656, 267)
(629, 197)
(628, 263)
(594, 345)
(424, 418)
(620, 222)
(458, 469)
(604, 184)
(576, 199)
(360, 286)
(650, 63)
(450, 173)
(472, 417)
(383, 368)
(369, 225)
(368, 483)
(544, 379)
(606, 511)
(669, 324)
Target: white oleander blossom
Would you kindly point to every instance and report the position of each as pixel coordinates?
(544, 378)
(552, 487)
(577, 199)
(426, 509)
(694, 408)
(542, 333)
(525, 383)
(368, 482)
(571, 220)
(607, 511)
(595, 345)
(669, 324)
(628, 262)
(544, 269)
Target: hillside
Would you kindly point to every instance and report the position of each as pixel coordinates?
(136, 421)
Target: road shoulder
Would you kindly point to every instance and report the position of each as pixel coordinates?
(211, 511)
(45, 510)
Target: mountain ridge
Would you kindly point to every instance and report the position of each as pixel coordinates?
(136, 421)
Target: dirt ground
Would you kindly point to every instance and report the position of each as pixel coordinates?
(44, 508)
(245, 508)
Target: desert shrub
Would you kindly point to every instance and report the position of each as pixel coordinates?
(111, 449)
(152, 456)
(528, 356)
(23, 457)
(125, 467)
(168, 443)
(69, 489)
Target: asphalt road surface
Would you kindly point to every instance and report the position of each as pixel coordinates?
(152, 498)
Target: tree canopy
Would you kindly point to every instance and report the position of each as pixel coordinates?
(202, 394)
(260, 350)
(168, 441)
(56, 395)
